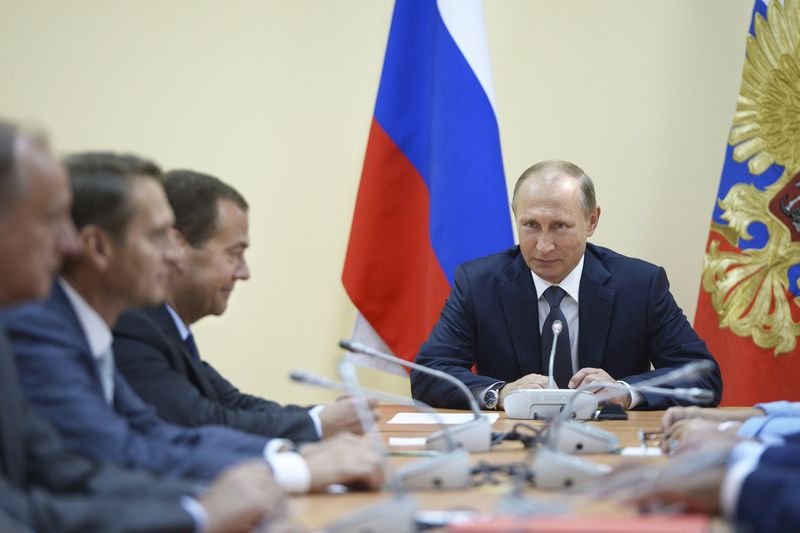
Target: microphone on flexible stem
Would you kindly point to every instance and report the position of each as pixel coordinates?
(394, 514)
(554, 469)
(445, 471)
(309, 378)
(474, 436)
(557, 327)
(534, 404)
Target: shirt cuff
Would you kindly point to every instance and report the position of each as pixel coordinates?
(636, 396)
(288, 467)
(314, 414)
(780, 407)
(197, 512)
(743, 460)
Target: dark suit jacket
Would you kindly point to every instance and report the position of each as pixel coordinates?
(628, 319)
(155, 361)
(60, 377)
(47, 488)
(769, 499)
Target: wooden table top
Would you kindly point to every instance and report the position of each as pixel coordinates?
(317, 510)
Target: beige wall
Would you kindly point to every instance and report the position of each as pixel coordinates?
(276, 98)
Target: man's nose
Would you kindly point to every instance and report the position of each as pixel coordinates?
(242, 271)
(67, 239)
(544, 243)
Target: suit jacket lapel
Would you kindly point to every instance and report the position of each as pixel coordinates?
(196, 374)
(594, 311)
(60, 300)
(12, 452)
(521, 311)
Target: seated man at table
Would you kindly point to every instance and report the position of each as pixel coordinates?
(66, 363)
(44, 487)
(617, 314)
(155, 349)
(763, 420)
(752, 484)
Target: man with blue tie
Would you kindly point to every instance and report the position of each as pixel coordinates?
(156, 350)
(616, 314)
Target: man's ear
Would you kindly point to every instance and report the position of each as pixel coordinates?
(182, 248)
(594, 218)
(96, 246)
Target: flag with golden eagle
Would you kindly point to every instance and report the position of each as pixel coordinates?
(748, 310)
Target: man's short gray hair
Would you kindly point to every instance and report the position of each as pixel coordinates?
(588, 197)
(11, 181)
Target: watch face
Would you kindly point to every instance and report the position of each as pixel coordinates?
(490, 400)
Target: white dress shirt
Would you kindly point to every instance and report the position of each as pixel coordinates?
(184, 332)
(290, 469)
(98, 335)
(569, 307)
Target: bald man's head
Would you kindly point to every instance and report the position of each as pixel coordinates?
(35, 227)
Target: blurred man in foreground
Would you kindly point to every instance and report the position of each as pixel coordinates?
(44, 487)
(66, 363)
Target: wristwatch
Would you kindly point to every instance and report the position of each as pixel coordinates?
(492, 396)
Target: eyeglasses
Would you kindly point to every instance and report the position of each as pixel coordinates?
(656, 437)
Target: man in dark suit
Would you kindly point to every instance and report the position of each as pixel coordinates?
(155, 349)
(63, 345)
(755, 485)
(616, 314)
(43, 487)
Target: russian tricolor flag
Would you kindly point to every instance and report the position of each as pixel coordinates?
(432, 193)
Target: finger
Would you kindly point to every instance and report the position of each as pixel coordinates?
(576, 380)
(670, 417)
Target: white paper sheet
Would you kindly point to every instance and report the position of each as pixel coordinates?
(444, 418)
(641, 452)
(406, 441)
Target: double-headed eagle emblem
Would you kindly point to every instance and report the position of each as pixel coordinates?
(750, 288)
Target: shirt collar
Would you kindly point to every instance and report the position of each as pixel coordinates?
(571, 284)
(183, 329)
(97, 332)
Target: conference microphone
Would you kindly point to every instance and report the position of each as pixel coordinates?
(473, 436)
(395, 514)
(448, 470)
(581, 437)
(535, 404)
(308, 378)
(553, 468)
(692, 394)
(556, 328)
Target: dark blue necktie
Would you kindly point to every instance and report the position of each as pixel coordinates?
(562, 364)
(192, 347)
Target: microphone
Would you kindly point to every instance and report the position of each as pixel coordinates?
(358, 347)
(308, 378)
(554, 469)
(401, 508)
(692, 394)
(395, 514)
(450, 469)
(534, 404)
(557, 327)
(474, 436)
